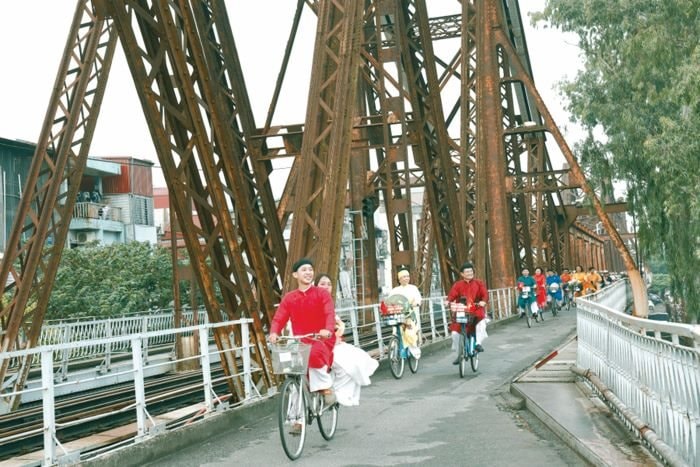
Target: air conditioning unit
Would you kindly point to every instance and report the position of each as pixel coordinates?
(82, 237)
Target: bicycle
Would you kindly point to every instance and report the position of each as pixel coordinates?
(568, 297)
(552, 302)
(394, 312)
(528, 299)
(298, 407)
(574, 291)
(467, 340)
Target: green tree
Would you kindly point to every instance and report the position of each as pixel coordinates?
(113, 280)
(638, 87)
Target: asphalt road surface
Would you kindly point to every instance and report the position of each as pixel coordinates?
(430, 418)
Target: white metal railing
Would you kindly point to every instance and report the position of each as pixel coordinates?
(60, 332)
(652, 367)
(132, 336)
(145, 425)
(360, 320)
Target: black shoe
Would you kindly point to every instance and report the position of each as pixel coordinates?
(521, 315)
(456, 362)
(479, 348)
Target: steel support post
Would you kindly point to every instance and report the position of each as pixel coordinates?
(245, 356)
(490, 148)
(205, 362)
(139, 390)
(48, 407)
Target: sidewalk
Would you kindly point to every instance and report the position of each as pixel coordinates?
(566, 406)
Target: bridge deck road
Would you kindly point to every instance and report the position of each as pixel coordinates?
(429, 418)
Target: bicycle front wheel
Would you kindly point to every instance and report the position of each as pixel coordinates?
(396, 361)
(474, 361)
(412, 362)
(327, 419)
(292, 418)
(462, 356)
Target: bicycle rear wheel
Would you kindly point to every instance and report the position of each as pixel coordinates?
(327, 419)
(292, 418)
(396, 361)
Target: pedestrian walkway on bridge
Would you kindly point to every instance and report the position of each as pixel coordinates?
(431, 417)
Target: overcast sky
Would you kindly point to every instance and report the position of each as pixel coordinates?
(33, 35)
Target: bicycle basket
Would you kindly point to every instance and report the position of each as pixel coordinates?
(459, 312)
(291, 358)
(392, 320)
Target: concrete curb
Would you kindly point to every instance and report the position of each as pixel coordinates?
(158, 447)
(557, 428)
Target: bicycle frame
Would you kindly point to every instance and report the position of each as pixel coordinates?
(299, 407)
(469, 351)
(403, 350)
(469, 337)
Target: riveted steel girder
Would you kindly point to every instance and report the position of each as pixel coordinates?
(193, 139)
(432, 147)
(319, 196)
(249, 174)
(43, 218)
(495, 33)
(387, 125)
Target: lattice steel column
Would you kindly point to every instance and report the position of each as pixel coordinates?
(248, 171)
(195, 148)
(432, 147)
(52, 185)
(325, 156)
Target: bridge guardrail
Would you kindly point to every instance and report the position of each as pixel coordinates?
(145, 424)
(99, 338)
(652, 367)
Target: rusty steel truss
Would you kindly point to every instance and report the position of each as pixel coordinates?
(435, 120)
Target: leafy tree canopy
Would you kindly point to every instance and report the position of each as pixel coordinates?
(638, 86)
(105, 281)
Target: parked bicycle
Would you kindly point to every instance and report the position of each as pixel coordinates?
(298, 407)
(395, 310)
(467, 339)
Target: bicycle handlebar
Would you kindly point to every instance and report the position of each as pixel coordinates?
(312, 335)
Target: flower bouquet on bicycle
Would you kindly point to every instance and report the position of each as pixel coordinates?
(403, 344)
(465, 315)
(298, 407)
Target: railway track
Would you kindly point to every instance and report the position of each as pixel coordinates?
(21, 431)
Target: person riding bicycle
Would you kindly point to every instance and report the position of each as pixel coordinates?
(565, 278)
(413, 295)
(541, 288)
(525, 300)
(310, 310)
(352, 366)
(593, 281)
(474, 294)
(578, 281)
(555, 292)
